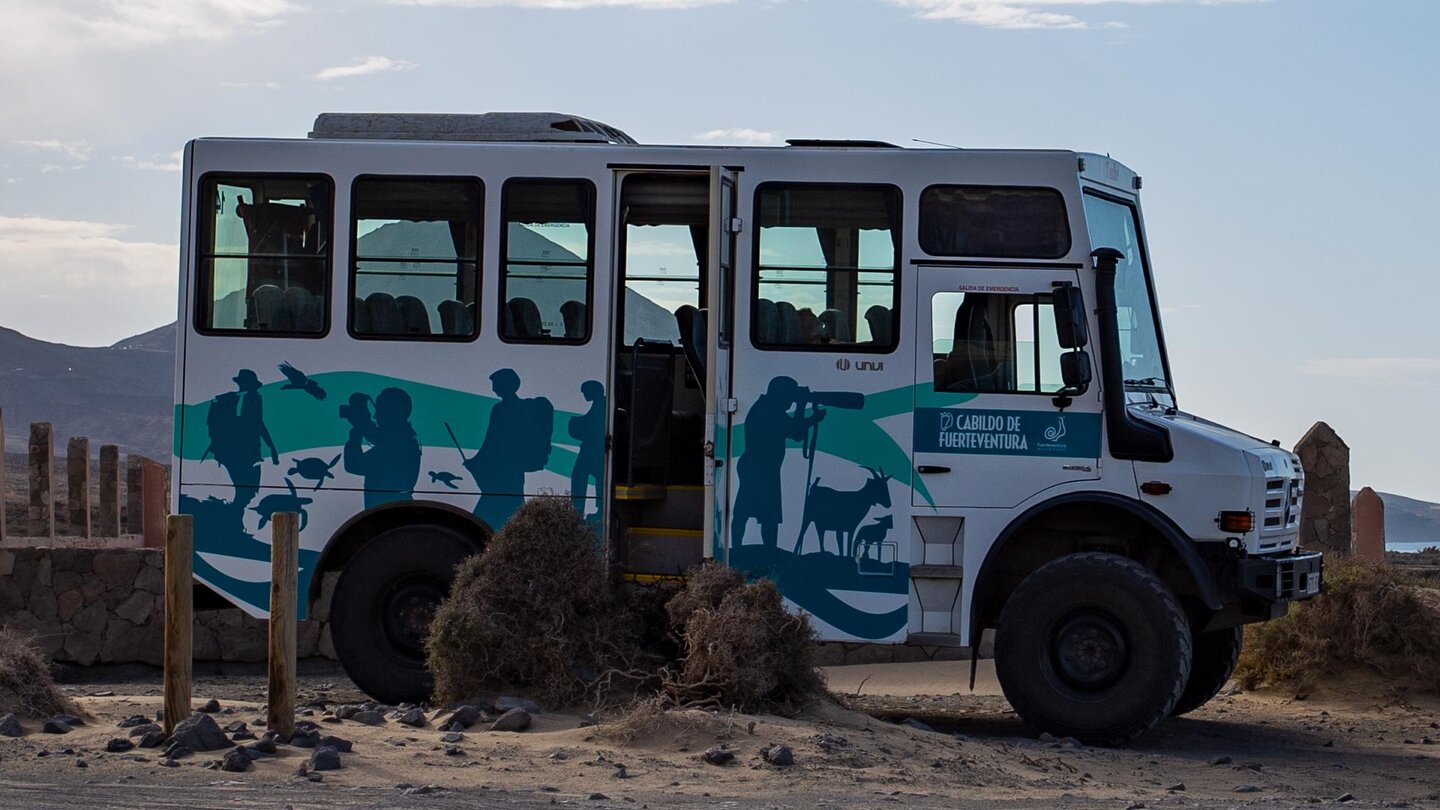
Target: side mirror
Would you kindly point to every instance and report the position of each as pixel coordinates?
(1075, 374)
(1075, 371)
(1070, 327)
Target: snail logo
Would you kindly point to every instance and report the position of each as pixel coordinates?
(843, 364)
(1056, 432)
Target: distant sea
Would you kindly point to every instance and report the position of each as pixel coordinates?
(1411, 548)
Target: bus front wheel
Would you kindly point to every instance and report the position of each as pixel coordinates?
(1092, 646)
(1216, 654)
(384, 600)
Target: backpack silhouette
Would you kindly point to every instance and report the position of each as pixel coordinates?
(535, 442)
(222, 423)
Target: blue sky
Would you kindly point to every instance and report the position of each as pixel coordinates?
(1287, 147)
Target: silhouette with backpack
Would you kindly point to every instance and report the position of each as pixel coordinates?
(236, 425)
(589, 429)
(517, 441)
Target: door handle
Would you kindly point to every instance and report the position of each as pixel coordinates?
(925, 469)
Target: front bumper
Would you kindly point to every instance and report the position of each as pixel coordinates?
(1282, 578)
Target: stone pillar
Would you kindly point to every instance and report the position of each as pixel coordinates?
(134, 465)
(154, 505)
(42, 477)
(109, 490)
(1325, 517)
(1368, 513)
(3, 489)
(77, 492)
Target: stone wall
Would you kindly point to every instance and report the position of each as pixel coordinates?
(106, 606)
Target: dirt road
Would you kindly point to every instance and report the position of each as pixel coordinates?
(1361, 744)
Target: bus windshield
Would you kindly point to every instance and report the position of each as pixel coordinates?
(1114, 224)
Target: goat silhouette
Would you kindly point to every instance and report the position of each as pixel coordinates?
(869, 537)
(840, 510)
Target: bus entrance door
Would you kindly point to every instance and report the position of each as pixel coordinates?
(988, 431)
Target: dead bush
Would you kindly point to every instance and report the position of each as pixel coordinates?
(535, 611)
(742, 649)
(1370, 616)
(26, 687)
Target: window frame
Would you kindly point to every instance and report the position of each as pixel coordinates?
(354, 270)
(1141, 241)
(1058, 194)
(206, 227)
(503, 270)
(1021, 299)
(895, 309)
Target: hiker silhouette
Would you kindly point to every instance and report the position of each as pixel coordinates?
(391, 465)
(517, 441)
(589, 429)
(768, 427)
(236, 425)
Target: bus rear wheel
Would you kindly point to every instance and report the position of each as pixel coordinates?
(384, 600)
(1093, 646)
(1216, 654)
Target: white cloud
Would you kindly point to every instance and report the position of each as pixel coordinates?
(737, 135)
(366, 66)
(68, 26)
(566, 4)
(75, 151)
(158, 162)
(58, 275)
(1423, 371)
(1030, 14)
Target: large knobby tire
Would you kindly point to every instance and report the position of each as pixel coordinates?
(384, 600)
(1092, 646)
(1216, 654)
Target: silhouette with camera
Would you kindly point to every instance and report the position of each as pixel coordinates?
(391, 464)
(786, 412)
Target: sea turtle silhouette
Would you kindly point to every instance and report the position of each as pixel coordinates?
(446, 478)
(270, 504)
(313, 469)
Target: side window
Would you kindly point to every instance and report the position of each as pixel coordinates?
(264, 254)
(991, 343)
(999, 221)
(415, 271)
(827, 262)
(548, 263)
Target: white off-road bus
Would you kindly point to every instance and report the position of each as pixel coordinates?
(923, 390)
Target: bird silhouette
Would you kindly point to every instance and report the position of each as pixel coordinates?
(298, 381)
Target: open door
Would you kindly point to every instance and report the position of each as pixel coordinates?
(719, 404)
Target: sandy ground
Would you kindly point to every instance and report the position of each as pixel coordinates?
(1271, 749)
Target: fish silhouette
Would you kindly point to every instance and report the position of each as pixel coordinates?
(296, 380)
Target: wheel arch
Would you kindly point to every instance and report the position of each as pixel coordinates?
(1085, 521)
(360, 529)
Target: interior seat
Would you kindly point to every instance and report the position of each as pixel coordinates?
(572, 313)
(384, 314)
(455, 318)
(523, 320)
(692, 324)
(414, 318)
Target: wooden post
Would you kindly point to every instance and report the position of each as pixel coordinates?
(42, 477)
(179, 617)
(154, 505)
(284, 566)
(77, 489)
(109, 490)
(133, 485)
(3, 489)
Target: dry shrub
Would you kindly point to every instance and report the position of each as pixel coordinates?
(26, 687)
(534, 610)
(1370, 616)
(743, 649)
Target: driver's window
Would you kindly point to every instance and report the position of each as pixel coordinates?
(994, 343)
